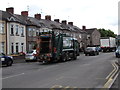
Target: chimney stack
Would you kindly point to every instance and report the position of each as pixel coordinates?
(10, 10)
(64, 22)
(83, 27)
(70, 23)
(57, 20)
(24, 13)
(48, 17)
(37, 16)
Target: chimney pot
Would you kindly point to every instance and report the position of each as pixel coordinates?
(10, 10)
(70, 23)
(83, 27)
(48, 17)
(64, 22)
(24, 13)
(37, 16)
(57, 20)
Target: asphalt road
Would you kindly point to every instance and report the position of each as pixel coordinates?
(85, 72)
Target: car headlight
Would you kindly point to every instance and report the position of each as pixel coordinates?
(2, 59)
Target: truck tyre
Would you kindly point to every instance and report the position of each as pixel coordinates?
(64, 57)
(85, 54)
(74, 56)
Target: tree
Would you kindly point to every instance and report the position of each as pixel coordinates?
(106, 33)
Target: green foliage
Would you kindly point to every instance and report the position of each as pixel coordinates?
(106, 33)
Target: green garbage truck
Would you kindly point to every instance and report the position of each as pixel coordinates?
(53, 47)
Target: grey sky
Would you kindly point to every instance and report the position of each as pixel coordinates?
(92, 13)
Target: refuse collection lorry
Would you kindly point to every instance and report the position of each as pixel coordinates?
(108, 44)
(53, 48)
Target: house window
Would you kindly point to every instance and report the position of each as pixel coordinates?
(37, 33)
(22, 31)
(2, 25)
(17, 47)
(34, 32)
(29, 31)
(2, 46)
(22, 46)
(12, 29)
(12, 48)
(16, 29)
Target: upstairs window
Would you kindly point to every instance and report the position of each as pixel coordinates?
(2, 27)
(12, 29)
(17, 30)
(22, 31)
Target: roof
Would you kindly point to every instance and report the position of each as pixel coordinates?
(90, 31)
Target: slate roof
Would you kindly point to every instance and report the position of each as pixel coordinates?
(90, 31)
(43, 23)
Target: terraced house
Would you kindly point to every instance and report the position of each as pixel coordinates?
(18, 33)
(3, 48)
(14, 33)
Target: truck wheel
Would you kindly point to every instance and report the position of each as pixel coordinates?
(64, 57)
(74, 56)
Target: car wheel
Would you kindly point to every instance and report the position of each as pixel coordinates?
(9, 63)
(85, 54)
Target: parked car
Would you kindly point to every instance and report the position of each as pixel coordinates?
(91, 51)
(117, 52)
(6, 60)
(31, 56)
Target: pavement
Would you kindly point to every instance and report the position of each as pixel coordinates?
(85, 72)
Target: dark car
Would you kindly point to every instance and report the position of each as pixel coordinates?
(6, 60)
(91, 51)
(117, 52)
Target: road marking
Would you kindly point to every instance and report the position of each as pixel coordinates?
(13, 76)
(60, 78)
(112, 77)
(57, 86)
(112, 71)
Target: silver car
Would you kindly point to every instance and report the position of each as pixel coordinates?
(31, 56)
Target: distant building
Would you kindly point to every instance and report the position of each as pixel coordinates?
(93, 37)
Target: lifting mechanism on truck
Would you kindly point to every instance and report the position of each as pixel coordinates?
(53, 47)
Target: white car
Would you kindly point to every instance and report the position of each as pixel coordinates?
(31, 56)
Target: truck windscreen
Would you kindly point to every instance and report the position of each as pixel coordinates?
(67, 42)
(45, 44)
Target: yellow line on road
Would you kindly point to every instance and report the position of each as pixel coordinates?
(110, 76)
(112, 71)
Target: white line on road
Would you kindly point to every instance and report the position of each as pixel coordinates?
(13, 76)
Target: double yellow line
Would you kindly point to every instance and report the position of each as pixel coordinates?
(112, 76)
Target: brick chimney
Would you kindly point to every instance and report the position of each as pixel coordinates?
(70, 23)
(64, 22)
(57, 20)
(24, 13)
(37, 16)
(83, 27)
(10, 10)
(48, 17)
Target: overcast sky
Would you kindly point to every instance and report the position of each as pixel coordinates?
(91, 13)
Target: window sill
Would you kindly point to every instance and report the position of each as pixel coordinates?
(11, 34)
(2, 33)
